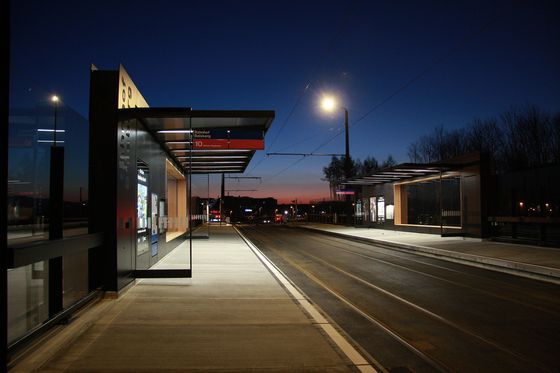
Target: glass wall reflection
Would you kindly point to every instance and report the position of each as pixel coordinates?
(31, 135)
(423, 202)
(28, 298)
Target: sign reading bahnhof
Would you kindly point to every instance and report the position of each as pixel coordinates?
(228, 139)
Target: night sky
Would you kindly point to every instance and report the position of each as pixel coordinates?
(401, 68)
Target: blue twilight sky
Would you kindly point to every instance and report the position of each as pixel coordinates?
(470, 59)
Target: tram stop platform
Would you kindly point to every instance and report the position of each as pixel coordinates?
(237, 313)
(541, 263)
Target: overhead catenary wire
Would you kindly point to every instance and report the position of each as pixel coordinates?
(268, 180)
(297, 143)
(322, 59)
(461, 43)
(310, 81)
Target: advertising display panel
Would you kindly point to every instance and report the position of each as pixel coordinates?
(373, 208)
(154, 235)
(381, 209)
(142, 206)
(390, 209)
(142, 224)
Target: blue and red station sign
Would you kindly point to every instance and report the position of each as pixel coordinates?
(228, 139)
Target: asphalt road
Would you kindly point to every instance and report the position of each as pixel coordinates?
(413, 313)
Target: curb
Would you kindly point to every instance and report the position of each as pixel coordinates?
(358, 359)
(532, 271)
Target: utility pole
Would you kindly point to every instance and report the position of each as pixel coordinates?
(347, 163)
(347, 170)
(329, 104)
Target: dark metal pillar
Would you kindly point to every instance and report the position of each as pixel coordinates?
(56, 211)
(56, 201)
(189, 195)
(5, 11)
(222, 193)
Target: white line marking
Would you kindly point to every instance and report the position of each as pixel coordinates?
(355, 357)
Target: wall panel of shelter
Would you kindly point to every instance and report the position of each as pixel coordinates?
(174, 217)
(161, 201)
(134, 220)
(376, 206)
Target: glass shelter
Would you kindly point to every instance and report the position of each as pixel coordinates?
(94, 204)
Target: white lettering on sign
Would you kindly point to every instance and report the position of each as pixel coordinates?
(202, 134)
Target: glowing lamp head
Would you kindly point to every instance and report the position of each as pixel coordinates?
(328, 103)
(55, 98)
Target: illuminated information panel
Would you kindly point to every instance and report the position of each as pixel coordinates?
(228, 139)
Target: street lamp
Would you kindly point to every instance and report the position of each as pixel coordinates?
(329, 104)
(55, 101)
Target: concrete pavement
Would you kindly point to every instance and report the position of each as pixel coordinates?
(233, 315)
(536, 262)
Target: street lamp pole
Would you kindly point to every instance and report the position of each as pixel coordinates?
(347, 169)
(329, 104)
(347, 162)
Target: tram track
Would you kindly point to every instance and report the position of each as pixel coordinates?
(423, 310)
(430, 336)
(440, 278)
(434, 363)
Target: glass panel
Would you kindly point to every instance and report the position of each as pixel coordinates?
(200, 203)
(76, 166)
(28, 174)
(173, 209)
(27, 298)
(31, 135)
(451, 204)
(423, 202)
(75, 277)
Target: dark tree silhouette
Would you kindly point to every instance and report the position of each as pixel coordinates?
(520, 138)
(334, 174)
(389, 162)
(367, 167)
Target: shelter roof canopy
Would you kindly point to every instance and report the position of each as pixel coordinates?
(173, 129)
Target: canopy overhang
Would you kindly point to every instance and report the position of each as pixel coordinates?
(402, 172)
(175, 129)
